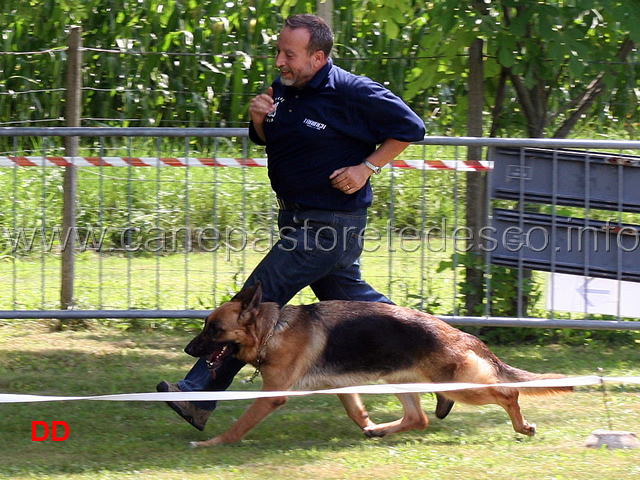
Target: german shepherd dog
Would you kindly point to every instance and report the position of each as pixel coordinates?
(342, 343)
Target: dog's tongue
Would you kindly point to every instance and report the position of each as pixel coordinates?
(215, 359)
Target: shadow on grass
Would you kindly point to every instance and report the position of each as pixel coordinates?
(123, 436)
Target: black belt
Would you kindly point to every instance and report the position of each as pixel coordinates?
(282, 205)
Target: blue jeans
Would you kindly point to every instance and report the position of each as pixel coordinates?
(317, 248)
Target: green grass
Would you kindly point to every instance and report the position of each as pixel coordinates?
(310, 437)
(203, 280)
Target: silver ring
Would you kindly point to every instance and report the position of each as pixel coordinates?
(348, 187)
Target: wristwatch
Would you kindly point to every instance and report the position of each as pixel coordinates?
(376, 169)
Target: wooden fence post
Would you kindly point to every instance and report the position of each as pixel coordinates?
(476, 191)
(70, 181)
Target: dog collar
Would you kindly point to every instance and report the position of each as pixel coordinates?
(259, 358)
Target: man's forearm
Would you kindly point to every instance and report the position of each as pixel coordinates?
(387, 151)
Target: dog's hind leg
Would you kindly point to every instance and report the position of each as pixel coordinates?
(443, 406)
(414, 418)
(507, 398)
(356, 410)
(509, 401)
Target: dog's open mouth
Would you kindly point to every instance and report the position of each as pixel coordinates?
(220, 353)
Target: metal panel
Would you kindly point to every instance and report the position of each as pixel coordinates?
(567, 245)
(607, 180)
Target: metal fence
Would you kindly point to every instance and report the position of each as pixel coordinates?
(167, 223)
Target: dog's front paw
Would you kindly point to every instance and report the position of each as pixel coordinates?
(210, 443)
(371, 432)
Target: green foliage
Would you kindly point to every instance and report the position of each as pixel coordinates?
(414, 198)
(552, 51)
(148, 63)
(197, 63)
(153, 63)
(151, 201)
(505, 292)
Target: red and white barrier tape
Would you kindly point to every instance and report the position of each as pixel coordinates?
(8, 161)
(362, 389)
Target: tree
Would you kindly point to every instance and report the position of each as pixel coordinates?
(561, 61)
(548, 68)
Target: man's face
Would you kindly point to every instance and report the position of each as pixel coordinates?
(296, 66)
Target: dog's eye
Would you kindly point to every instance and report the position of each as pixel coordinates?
(212, 330)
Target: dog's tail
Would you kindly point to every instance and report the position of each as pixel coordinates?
(507, 373)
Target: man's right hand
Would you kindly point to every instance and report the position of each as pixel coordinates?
(261, 106)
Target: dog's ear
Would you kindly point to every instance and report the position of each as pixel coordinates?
(247, 294)
(250, 299)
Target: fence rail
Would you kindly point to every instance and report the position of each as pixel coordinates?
(243, 132)
(413, 274)
(583, 324)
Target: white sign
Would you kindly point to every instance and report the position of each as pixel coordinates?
(573, 293)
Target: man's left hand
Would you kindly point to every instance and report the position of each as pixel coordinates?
(350, 179)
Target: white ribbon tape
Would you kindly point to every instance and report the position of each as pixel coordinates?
(364, 389)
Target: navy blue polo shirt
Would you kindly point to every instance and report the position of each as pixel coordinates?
(337, 120)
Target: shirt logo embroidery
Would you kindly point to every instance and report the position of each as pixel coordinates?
(314, 124)
(271, 115)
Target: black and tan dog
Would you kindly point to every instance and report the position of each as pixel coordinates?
(338, 343)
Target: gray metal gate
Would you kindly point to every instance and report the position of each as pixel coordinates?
(532, 185)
